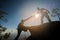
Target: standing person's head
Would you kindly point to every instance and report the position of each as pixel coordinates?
(38, 8)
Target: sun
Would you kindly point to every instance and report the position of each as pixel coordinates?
(36, 15)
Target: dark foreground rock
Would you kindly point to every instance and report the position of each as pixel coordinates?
(46, 31)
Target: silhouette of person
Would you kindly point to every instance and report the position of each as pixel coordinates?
(44, 13)
(20, 28)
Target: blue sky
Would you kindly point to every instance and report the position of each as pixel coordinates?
(21, 9)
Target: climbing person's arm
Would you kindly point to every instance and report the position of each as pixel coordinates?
(27, 18)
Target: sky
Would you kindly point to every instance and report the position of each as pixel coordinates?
(21, 9)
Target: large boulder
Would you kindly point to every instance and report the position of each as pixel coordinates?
(46, 31)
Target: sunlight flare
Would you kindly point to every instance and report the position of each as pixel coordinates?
(36, 15)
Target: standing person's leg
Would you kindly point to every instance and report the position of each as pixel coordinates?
(48, 17)
(18, 35)
(42, 16)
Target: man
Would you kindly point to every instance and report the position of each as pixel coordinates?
(44, 13)
(21, 27)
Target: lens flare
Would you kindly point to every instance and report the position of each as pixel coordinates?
(36, 15)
